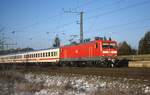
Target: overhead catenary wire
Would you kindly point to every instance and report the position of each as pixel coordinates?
(104, 6)
(119, 9)
(100, 8)
(92, 17)
(123, 24)
(54, 16)
(85, 4)
(114, 11)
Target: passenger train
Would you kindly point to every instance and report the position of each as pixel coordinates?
(100, 52)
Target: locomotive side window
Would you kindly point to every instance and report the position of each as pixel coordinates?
(105, 45)
(96, 45)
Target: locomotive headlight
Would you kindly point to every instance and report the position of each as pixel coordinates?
(105, 52)
(113, 51)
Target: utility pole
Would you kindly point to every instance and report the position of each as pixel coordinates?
(81, 23)
(81, 27)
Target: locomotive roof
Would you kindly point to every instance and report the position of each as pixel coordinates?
(90, 42)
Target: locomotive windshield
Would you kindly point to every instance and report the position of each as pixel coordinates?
(109, 45)
(105, 45)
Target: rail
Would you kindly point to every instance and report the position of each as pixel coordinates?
(145, 57)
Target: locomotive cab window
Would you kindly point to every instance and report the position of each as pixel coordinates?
(105, 45)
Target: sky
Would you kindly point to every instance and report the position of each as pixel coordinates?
(35, 23)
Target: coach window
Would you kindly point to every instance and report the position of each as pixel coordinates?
(49, 54)
(27, 56)
(56, 53)
(53, 53)
(36, 55)
(46, 54)
(43, 54)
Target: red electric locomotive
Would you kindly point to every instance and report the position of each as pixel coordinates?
(101, 52)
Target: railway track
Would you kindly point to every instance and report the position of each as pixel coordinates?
(105, 81)
(131, 73)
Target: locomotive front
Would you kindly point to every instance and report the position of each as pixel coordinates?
(109, 52)
(109, 48)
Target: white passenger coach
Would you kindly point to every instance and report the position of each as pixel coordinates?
(49, 55)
